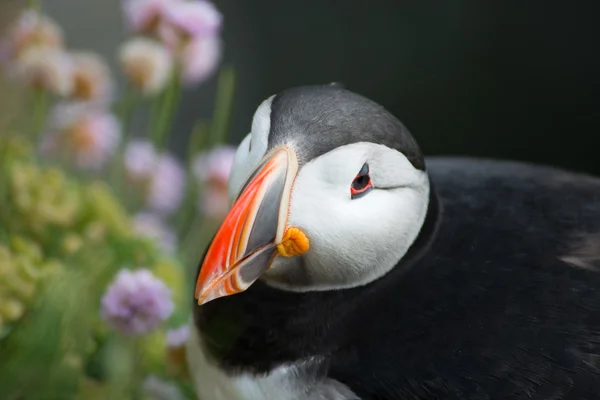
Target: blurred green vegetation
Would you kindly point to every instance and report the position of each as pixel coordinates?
(61, 242)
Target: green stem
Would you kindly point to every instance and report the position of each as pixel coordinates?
(186, 216)
(223, 106)
(40, 112)
(125, 110)
(188, 208)
(194, 243)
(34, 5)
(137, 373)
(197, 141)
(167, 106)
(4, 166)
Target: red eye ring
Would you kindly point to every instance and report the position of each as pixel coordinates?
(361, 184)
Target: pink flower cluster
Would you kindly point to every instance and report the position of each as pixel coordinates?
(82, 129)
(183, 33)
(212, 170)
(33, 51)
(84, 134)
(160, 177)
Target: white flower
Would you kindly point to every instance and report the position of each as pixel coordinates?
(86, 135)
(31, 30)
(91, 77)
(147, 63)
(153, 227)
(200, 58)
(44, 69)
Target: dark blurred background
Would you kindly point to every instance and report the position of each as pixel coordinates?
(509, 79)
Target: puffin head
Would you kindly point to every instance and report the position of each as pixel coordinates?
(327, 191)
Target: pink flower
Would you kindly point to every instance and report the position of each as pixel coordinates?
(44, 69)
(200, 58)
(91, 78)
(136, 302)
(167, 185)
(140, 160)
(174, 22)
(30, 30)
(84, 134)
(154, 228)
(184, 20)
(189, 29)
(212, 171)
(161, 176)
(144, 16)
(195, 17)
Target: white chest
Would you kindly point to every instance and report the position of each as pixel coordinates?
(283, 383)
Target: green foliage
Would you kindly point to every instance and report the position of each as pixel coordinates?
(72, 238)
(69, 214)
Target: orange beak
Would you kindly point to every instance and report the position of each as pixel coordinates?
(254, 231)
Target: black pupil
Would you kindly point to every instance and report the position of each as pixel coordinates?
(362, 180)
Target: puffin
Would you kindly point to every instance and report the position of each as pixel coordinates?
(352, 267)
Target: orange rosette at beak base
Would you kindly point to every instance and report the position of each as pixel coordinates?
(254, 231)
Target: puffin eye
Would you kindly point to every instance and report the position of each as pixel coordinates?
(361, 185)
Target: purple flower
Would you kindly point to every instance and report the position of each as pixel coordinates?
(212, 171)
(153, 227)
(178, 337)
(161, 176)
(136, 302)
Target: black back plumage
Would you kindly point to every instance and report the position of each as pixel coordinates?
(502, 302)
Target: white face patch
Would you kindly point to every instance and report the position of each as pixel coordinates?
(251, 150)
(352, 241)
